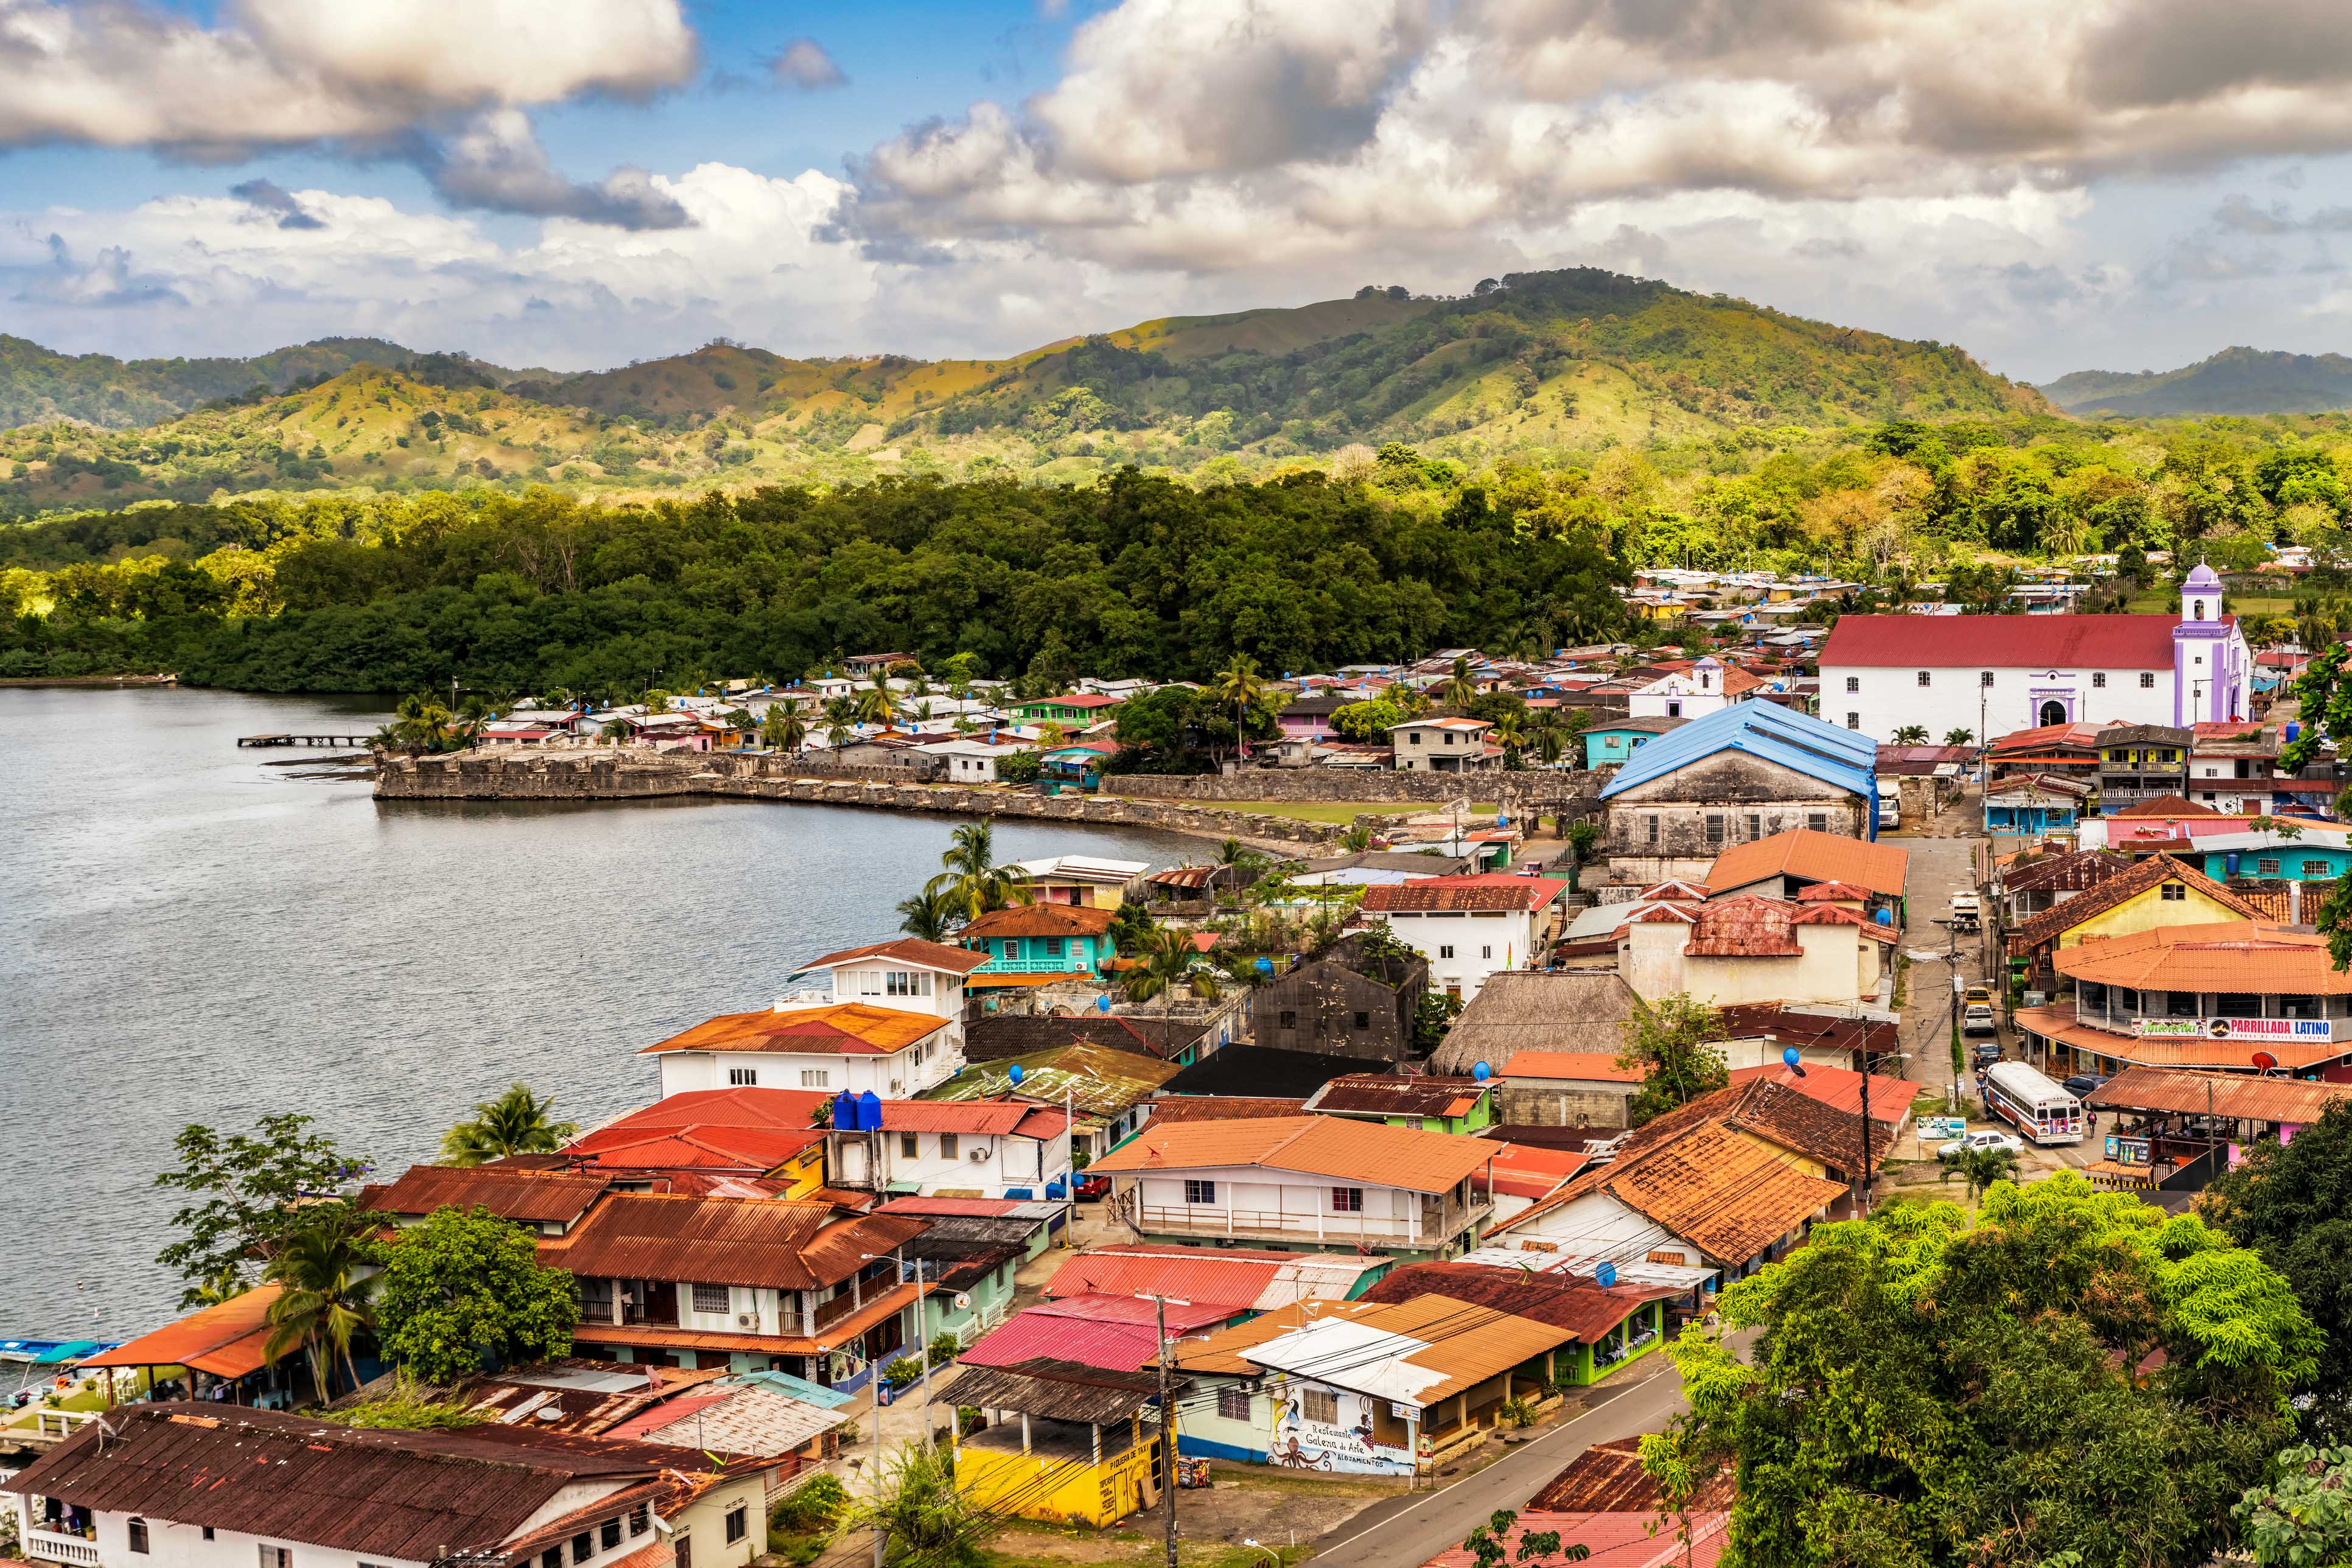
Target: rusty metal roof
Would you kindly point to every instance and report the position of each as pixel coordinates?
(2109, 891)
(410, 1495)
(1479, 892)
(1058, 1390)
(1584, 1308)
(1608, 1477)
(1039, 920)
(1744, 926)
(527, 1196)
(850, 1028)
(1370, 1153)
(727, 1241)
(1397, 1094)
(2173, 1091)
(1221, 1107)
(905, 950)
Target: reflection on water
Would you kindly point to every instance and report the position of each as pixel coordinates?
(191, 934)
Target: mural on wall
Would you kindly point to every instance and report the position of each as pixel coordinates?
(1347, 1444)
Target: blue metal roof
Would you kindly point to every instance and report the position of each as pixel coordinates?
(1810, 746)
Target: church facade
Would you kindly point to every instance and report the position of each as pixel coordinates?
(1992, 675)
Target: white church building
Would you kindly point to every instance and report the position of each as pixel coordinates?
(1992, 675)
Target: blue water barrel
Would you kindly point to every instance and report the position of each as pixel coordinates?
(869, 1112)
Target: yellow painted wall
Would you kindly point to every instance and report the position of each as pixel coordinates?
(704, 1522)
(1789, 1157)
(1095, 1494)
(2148, 911)
(805, 1170)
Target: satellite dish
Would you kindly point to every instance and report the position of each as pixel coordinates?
(1015, 1074)
(1884, 917)
(1790, 1056)
(1102, 1003)
(2264, 1061)
(1605, 1276)
(550, 1413)
(1481, 1073)
(962, 1302)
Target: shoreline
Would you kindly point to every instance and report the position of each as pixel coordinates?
(26, 682)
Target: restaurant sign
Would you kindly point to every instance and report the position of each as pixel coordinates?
(2312, 1029)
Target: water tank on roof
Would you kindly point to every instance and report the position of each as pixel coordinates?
(2293, 730)
(845, 1112)
(869, 1112)
(2229, 863)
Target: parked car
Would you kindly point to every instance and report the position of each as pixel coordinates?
(1988, 1138)
(1985, 1053)
(2080, 1085)
(1977, 1018)
(1977, 993)
(1091, 1188)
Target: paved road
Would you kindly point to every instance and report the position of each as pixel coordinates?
(1938, 868)
(1408, 1530)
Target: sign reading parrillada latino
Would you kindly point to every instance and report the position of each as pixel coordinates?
(2235, 1028)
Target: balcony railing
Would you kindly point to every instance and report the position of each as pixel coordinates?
(1438, 1222)
(49, 1546)
(1071, 962)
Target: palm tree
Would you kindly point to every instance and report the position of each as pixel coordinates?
(1980, 1168)
(1959, 737)
(877, 704)
(322, 1296)
(1549, 733)
(973, 882)
(516, 1122)
(1239, 684)
(784, 729)
(1166, 962)
(420, 724)
(1457, 690)
(840, 721)
(1911, 735)
(1506, 733)
(925, 915)
(616, 731)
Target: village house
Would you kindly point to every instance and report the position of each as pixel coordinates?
(1707, 687)
(980, 1148)
(2025, 885)
(1456, 1105)
(2176, 1130)
(1353, 998)
(1059, 1440)
(1308, 1181)
(1109, 1089)
(1794, 864)
(547, 1202)
(1470, 928)
(1071, 710)
(2158, 891)
(2141, 763)
(967, 760)
(1084, 879)
(738, 1141)
(1611, 741)
(750, 1283)
(187, 1485)
(1571, 1089)
(1747, 772)
(1758, 1034)
(2203, 995)
(1990, 675)
(1755, 949)
(1004, 1036)
(1240, 1282)
(1041, 939)
(1451, 745)
(1116, 1332)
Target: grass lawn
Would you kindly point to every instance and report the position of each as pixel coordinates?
(2157, 602)
(1341, 811)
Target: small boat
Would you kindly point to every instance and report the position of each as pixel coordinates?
(41, 1357)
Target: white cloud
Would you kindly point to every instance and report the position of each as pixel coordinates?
(805, 64)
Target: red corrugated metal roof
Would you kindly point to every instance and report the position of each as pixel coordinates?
(694, 1148)
(727, 1241)
(905, 950)
(527, 1196)
(744, 1106)
(1113, 1333)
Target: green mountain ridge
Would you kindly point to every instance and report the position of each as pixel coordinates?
(1539, 367)
(2242, 381)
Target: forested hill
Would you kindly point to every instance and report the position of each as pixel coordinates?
(2235, 381)
(1544, 368)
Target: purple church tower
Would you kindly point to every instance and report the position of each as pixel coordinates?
(2209, 664)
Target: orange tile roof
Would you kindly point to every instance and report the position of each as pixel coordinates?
(2059, 917)
(905, 950)
(1588, 1064)
(847, 1028)
(2057, 1023)
(1373, 1152)
(225, 1338)
(1816, 857)
(1728, 1195)
(2224, 955)
(1041, 919)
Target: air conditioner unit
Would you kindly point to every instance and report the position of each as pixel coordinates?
(979, 1156)
(746, 1319)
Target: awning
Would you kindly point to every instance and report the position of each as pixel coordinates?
(986, 981)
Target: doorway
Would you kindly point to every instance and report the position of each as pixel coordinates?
(2054, 712)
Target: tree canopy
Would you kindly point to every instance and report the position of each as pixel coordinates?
(464, 1286)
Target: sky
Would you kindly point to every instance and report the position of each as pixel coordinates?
(2054, 184)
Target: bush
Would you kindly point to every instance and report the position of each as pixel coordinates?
(902, 1372)
(811, 1508)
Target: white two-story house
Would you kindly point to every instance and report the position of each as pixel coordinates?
(1471, 927)
(1444, 745)
(1311, 1182)
(957, 1148)
(887, 1020)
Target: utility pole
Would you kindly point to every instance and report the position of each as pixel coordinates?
(923, 1341)
(1863, 1198)
(1167, 1431)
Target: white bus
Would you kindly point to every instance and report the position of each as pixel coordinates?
(2039, 1110)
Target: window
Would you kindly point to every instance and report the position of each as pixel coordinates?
(907, 983)
(1673, 709)
(1754, 825)
(706, 1299)
(2315, 870)
(1451, 737)
(608, 1534)
(1818, 821)
(2148, 680)
(2196, 609)
(552, 1558)
(949, 1148)
(1346, 1200)
(2098, 680)
(283, 1556)
(815, 1078)
(583, 1547)
(1653, 828)
(138, 1528)
(2175, 892)
(1053, 947)
(1319, 1404)
(2238, 1005)
(1445, 951)
(1854, 720)
(1289, 1018)
(1714, 829)
(1984, 678)
(1232, 1403)
(741, 1078)
(1414, 737)
(908, 1147)
(1923, 680)
(1488, 951)
(738, 1523)
(208, 1532)
(1854, 683)
(2267, 868)
(1199, 1192)
(639, 1521)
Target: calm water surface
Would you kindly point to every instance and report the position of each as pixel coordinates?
(189, 934)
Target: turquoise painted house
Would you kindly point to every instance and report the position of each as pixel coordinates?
(1040, 939)
(2305, 859)
(1606, 746)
